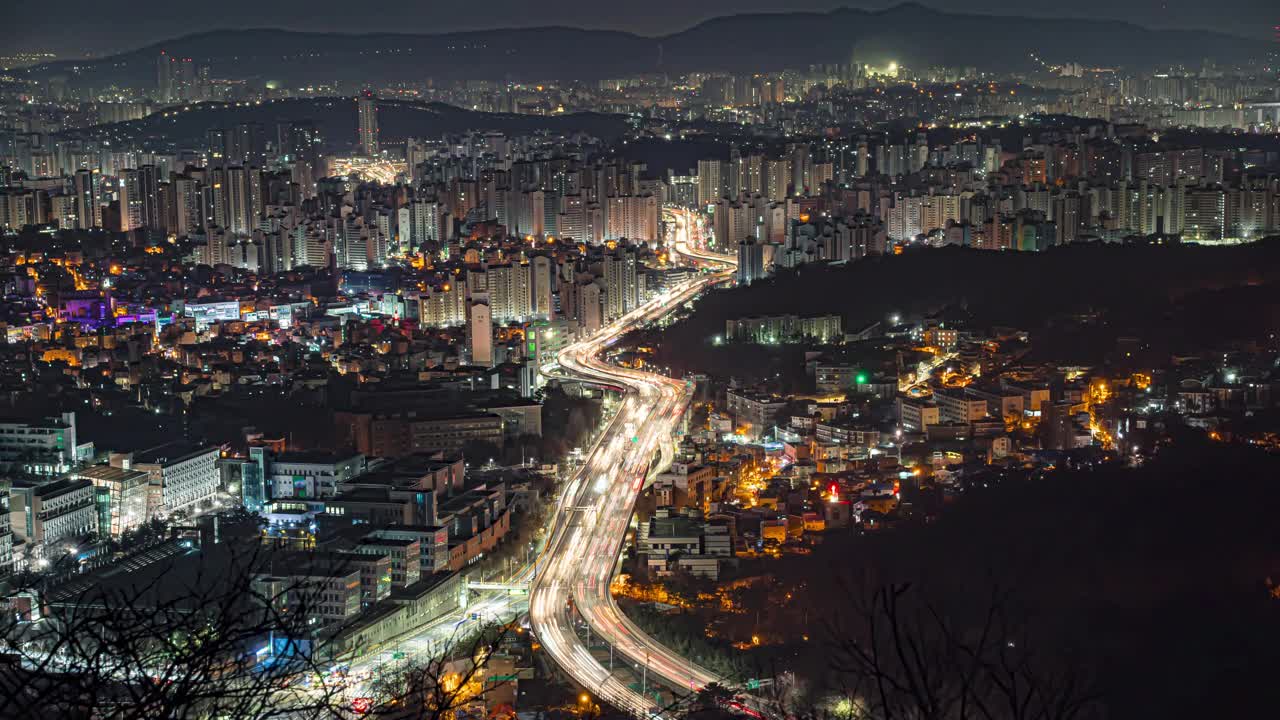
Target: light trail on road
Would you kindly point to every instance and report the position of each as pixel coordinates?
(582, 554)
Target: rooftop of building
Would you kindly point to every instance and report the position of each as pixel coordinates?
(438, 415)
(468, 497)
(171, 453)
(49, 423)
(110, 474)
(412, 528)
(315, 457)
(51, 488)
(665, 525)
(365, 494)
(387, 542)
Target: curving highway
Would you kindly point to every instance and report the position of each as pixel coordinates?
(582, 554)
(687, 242)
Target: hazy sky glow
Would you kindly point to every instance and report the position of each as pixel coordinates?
(95, 27)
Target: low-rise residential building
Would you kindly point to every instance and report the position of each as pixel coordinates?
(400, 433)
(184, 477)
(1033, 396)
(477, 519)
(917, 414)
(44, 446)
(374, 569)
(433, 544)
(325, 594)
(406, 610)
(847, 432)
(776, 329)
(311, 474)
(752, 412)
(1001, 402)
(686, 541)
(371, 506)
(835, 377)
(519, 416)
(44, 514)
(959, 406)
(404, 555)
(6, 531)
(685, 485)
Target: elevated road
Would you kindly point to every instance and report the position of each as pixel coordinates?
(582, 554)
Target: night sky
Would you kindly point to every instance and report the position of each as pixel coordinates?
(80, 27)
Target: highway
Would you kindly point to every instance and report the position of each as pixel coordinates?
(593, 512)
(382, 171)
(686, 242)
(582, 553)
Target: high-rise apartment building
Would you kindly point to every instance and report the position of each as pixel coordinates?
(88, 210)
(777, 177)
(511, 291)
(711, 184)
(480, 330)
(130, 195)
(572, 222)
(152, 212)
(187, 215)
(445, 306)
(1204, 214)
(531, 219)
(863, 163)
(621, 283)
(175, 78)
(540, 276)
(367, 127)
(750, 261)
(164, 77)
(237, 200)
(590, 306)
(634, 217)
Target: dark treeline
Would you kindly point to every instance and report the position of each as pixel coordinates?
(1157, 585)
(1174, 297)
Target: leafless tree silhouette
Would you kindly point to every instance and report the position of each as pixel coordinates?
(438, 687)
(900, 656)
(163, 645)
(185, 645)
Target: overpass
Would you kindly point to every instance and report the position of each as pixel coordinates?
(583, 552)
(511, 588)
(1263, 112)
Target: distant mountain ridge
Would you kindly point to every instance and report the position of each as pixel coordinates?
(909, 33)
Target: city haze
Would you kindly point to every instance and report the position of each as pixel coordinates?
(84, 28)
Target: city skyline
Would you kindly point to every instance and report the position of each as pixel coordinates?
(809, 366)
